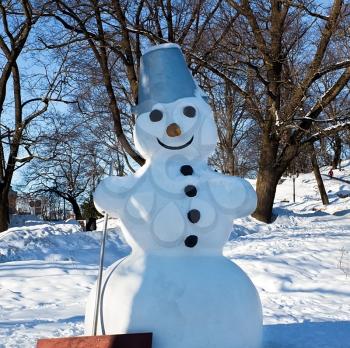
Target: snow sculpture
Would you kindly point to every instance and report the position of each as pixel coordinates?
(176, 213)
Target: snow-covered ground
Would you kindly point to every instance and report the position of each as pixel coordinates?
(300, 265)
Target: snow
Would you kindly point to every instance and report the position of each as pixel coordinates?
(300, 265)
(157, 47)
(46, 273)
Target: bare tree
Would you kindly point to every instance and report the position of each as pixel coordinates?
(67, 163)
(19, 109)
(235, 126)
(280, 42)
(317, 173)
(101, 29)
(274, 55)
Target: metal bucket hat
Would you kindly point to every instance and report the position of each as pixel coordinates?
(164, 77)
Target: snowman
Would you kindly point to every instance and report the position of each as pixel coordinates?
(176, 213)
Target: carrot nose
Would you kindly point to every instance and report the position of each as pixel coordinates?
(173, 130)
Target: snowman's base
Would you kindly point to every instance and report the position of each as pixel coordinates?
(142, 340)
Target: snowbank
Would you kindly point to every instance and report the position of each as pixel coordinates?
(300, 265)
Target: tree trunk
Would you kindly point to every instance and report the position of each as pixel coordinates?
(316, 170)
(4, 210)
(337, 152)
(76, 209)
(229, 161)
(266, 190)
(267, 180)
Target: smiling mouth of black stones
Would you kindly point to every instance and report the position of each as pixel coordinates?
(175, 147)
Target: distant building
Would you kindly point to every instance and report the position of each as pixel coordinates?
(12, 201)
(35, 206)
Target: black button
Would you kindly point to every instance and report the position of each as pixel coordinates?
(191, 241)
(190, 190)
(186, 170)
(194, 215)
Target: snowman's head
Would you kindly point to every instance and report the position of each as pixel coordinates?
(173, 118)
(183, 127)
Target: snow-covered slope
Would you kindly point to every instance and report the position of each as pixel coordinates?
(300, 265)
(307, 196)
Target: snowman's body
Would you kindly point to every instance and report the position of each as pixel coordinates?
(177, 214)
(188, 301)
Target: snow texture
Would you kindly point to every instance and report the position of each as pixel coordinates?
(300, 265)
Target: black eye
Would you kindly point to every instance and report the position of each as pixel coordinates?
(189, 111)
(156, 115)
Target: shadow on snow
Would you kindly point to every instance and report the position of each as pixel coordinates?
(330, 334)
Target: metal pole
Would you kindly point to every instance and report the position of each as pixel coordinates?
(100, 270)
(293, 189)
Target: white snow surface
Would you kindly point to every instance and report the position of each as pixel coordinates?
(300, 265)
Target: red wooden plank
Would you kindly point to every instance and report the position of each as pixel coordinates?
(141, 340)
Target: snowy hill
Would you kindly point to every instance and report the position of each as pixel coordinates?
(307, 196)
(300, 265)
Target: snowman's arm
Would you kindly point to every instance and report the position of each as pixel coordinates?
(112, 193)
(250, 202)
(235, 195)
